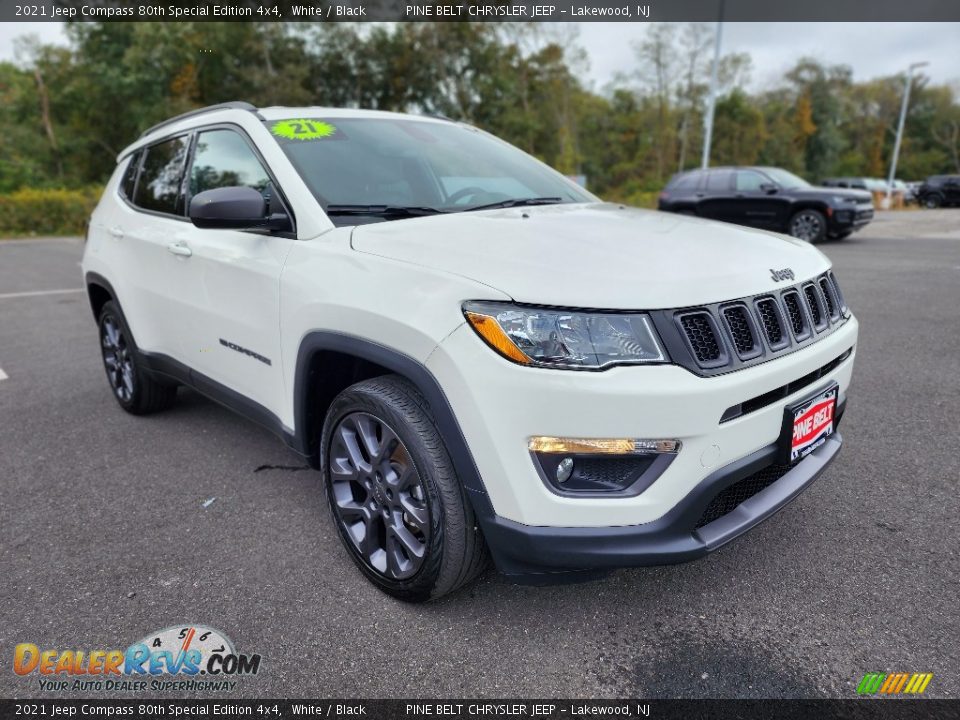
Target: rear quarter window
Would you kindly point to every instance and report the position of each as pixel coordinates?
(687, 181)
(129, 181)
(161, 176)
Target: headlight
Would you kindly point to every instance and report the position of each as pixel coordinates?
(565, 338)
(841, 199)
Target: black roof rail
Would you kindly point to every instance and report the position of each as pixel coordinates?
(233, 105)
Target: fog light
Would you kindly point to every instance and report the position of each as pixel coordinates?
(602, 446)
(601, 466)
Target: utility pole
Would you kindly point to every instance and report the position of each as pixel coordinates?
(708, 120)
(903, 117)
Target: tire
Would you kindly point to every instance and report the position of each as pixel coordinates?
(134, 388)
(932, 201)
(394, 495)
(809, 225)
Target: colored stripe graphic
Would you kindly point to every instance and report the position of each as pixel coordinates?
(870, 683)
(889, 683)
(894, 683)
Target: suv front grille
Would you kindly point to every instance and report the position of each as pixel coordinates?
(727, 500)
(701, 336)
(754, 328)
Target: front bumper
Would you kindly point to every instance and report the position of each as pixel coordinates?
(499, 406)
(850, 219)
(546, 554)
(534, 532)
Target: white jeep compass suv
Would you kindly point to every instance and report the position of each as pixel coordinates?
(481, 358)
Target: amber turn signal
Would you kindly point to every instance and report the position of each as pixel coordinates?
(490, 330)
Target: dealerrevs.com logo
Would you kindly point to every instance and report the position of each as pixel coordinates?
(182, 657)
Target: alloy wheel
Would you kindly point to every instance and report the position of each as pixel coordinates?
(378, 495)
(805, 226)
(117, 358)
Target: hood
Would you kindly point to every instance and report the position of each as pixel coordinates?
(600, 256)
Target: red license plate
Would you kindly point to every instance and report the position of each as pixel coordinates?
(812, 423)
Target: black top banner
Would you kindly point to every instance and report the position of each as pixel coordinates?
(462, 709)
(479, 10)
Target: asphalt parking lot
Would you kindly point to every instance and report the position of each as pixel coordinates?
(106, 532)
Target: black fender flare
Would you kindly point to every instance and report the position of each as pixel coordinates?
(92, 278)
(415, 372)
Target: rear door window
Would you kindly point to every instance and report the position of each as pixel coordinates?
(750, 181)
(719, 181)
(161, 176)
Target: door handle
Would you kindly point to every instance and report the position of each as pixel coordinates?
(116, 232)
(180, 248)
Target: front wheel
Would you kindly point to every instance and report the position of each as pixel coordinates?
(399, 507)
(809, 225)
(932, 201)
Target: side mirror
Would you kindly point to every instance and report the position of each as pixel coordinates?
(237, 208)
(769, 188)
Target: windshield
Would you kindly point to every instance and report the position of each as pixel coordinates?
(389, 168)
(786, 180)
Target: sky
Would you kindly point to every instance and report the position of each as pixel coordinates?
(871, 49)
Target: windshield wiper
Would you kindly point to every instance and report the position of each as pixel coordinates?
(517, 203)
(382, 210)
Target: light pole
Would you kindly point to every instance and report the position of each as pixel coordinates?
(903, 117)
(708, 119)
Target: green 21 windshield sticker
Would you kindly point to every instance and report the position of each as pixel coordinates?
(303, 129)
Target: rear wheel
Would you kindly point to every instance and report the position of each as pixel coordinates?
(396, 500)
(133, 386)
(932, 201)
(809, 225)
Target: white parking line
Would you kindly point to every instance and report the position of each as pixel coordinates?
(3, 375)
(36, 293)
